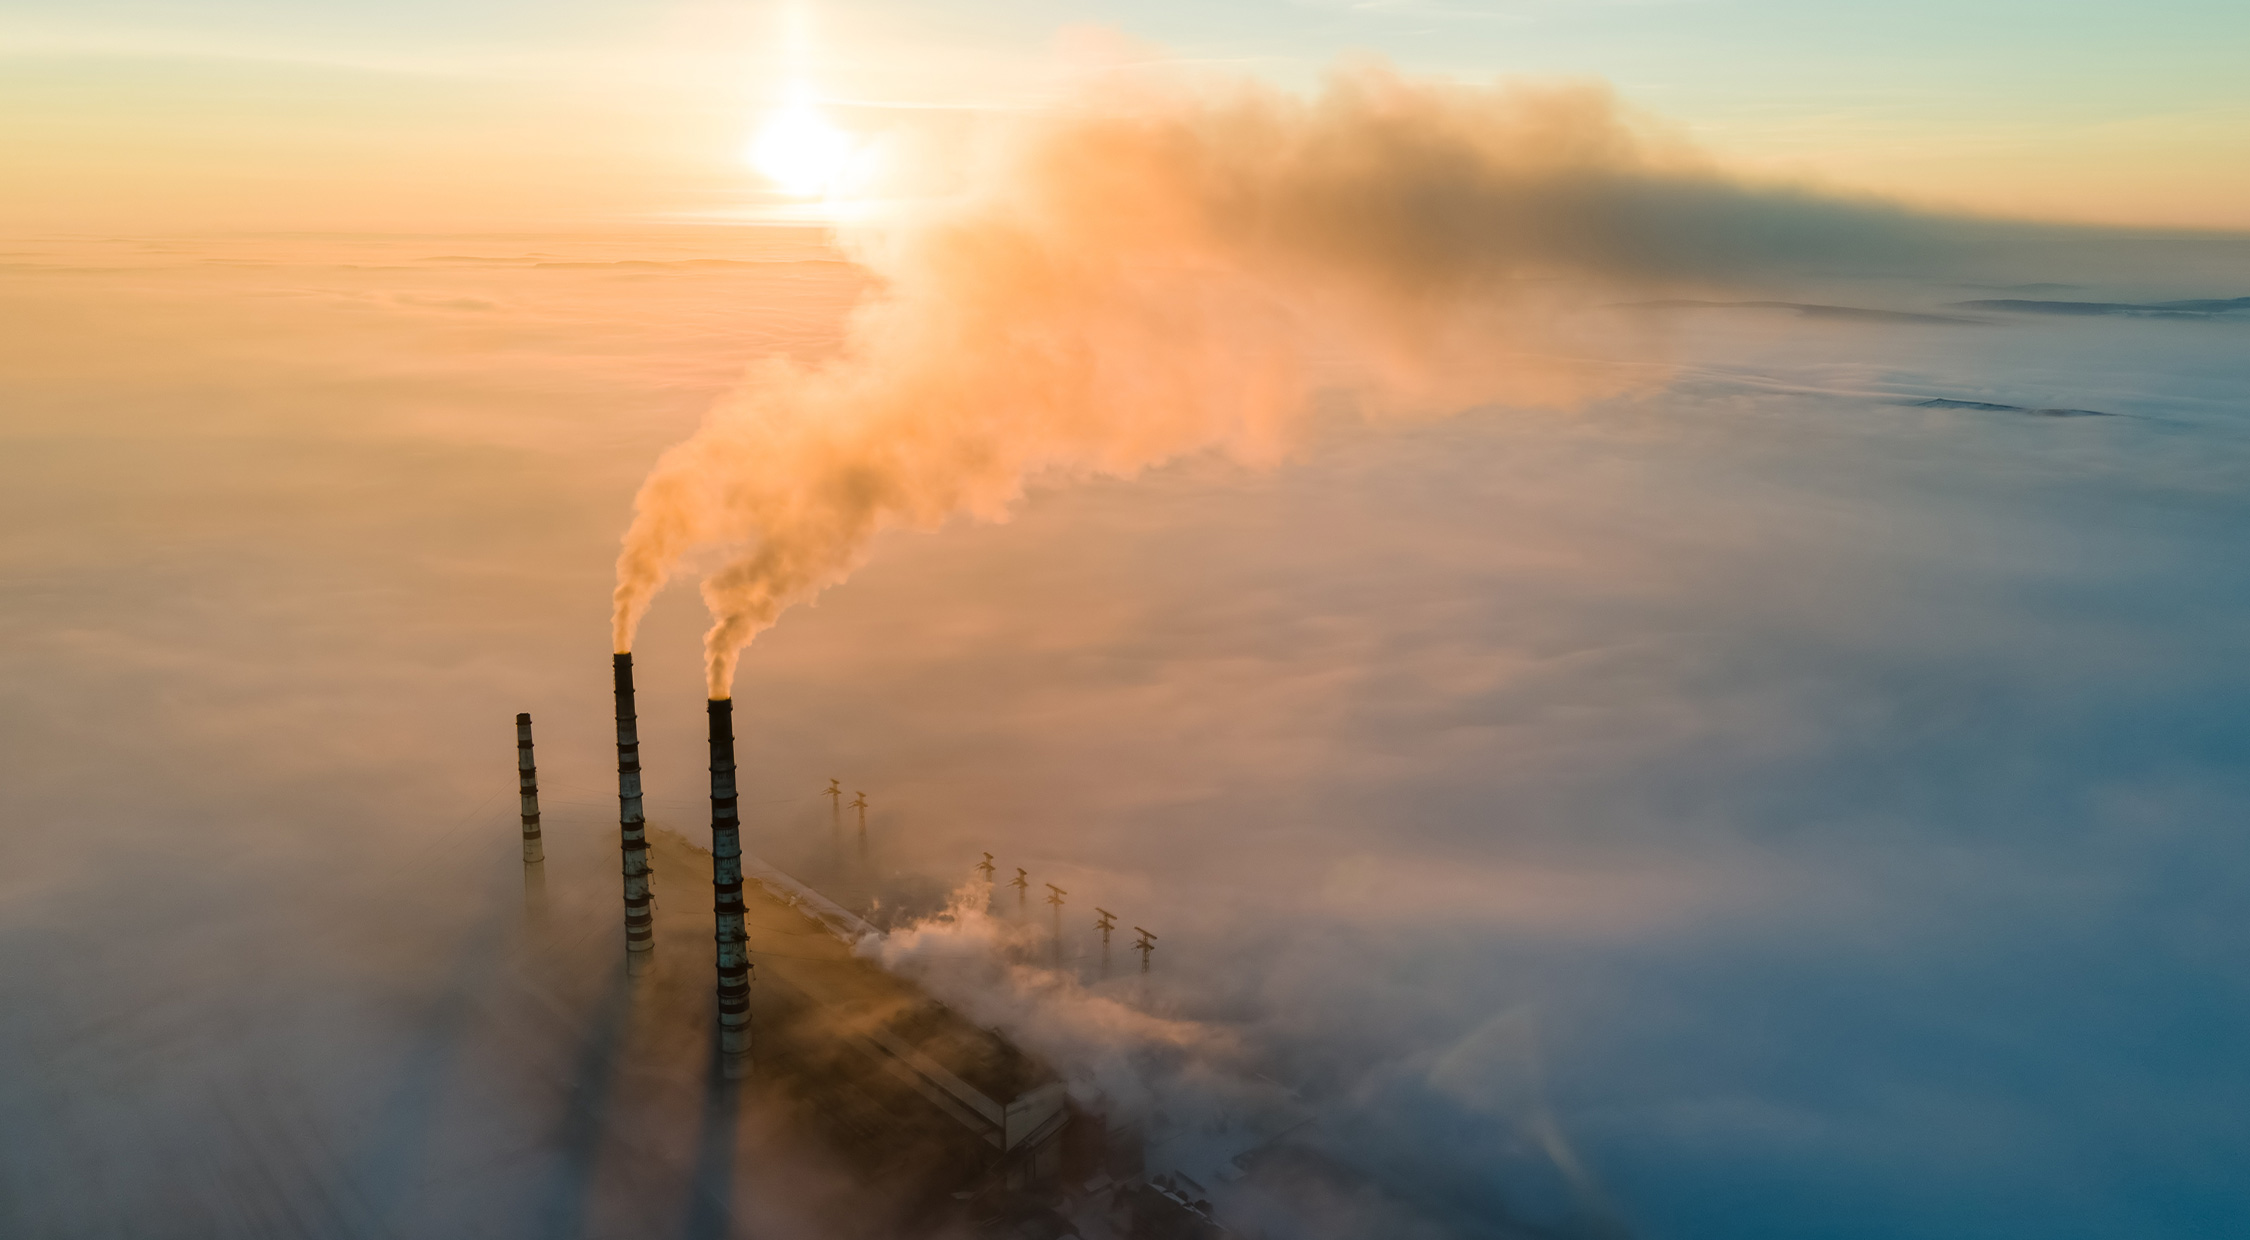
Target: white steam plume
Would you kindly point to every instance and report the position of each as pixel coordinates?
(1164, 271)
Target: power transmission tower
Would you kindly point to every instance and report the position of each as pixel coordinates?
(985, 867)
(1146, 946)
(1105, 923)
(1055, 897)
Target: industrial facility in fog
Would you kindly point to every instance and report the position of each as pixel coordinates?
(957, 1124)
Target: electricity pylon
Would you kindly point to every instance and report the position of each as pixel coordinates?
(985, 867)
(1105, 923)
(1055, 897)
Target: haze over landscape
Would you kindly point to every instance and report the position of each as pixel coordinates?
(1644, 596)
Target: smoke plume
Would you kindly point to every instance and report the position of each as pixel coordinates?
(1156, 271)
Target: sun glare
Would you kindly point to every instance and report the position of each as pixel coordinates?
(801, 152)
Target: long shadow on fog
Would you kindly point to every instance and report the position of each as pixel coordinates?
(586, 1110)
(710, 1212)
(392, 1160)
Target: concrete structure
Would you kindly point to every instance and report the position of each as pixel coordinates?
(527, 783)
(917, 1097)
(632, 825)
(726, 889)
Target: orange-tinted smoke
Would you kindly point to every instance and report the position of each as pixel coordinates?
(1166, 271)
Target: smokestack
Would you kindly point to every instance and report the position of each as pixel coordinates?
(527, 782)
(632, 827)
(726, 884)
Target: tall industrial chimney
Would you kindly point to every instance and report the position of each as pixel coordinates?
(632, 827)
(527, 782)
(726, 884)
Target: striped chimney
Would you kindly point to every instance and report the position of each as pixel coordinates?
(527, 782)
(726, 884)
(632, 827)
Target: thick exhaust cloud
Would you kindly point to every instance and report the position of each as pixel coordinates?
(1157, 271)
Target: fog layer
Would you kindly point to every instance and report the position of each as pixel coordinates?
(1761, 803)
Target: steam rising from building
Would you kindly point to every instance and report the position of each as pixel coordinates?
(1157, 271)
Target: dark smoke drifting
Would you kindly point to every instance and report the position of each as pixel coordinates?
(1161, 271)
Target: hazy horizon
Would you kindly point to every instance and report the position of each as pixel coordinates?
(1650, 683)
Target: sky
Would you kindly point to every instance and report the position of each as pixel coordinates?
(1729, 723)
(254, 115)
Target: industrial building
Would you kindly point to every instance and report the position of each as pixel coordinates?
(811, 1055)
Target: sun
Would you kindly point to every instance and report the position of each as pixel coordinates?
(801, 151)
